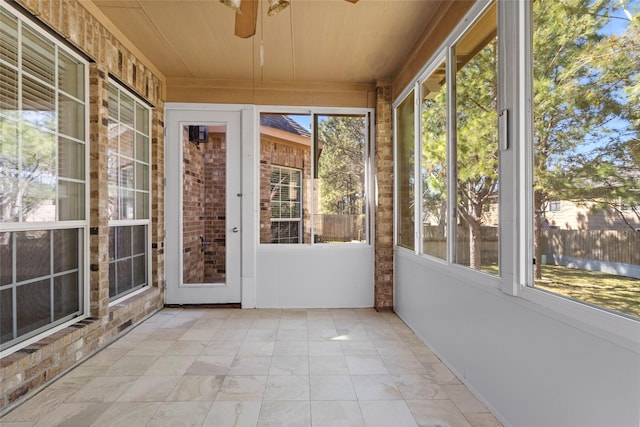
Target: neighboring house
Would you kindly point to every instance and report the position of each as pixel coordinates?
(285, 173)
(567, 215)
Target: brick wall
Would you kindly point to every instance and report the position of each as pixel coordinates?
(215, 159)
(192, 211)
(25, 371)
(274, 152)
(384, 208)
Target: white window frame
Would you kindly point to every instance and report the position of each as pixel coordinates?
(368, 113)
(118, 298)
(516, 178)
(594, 320)
(486, 281)
(81, 225)
(297, 219)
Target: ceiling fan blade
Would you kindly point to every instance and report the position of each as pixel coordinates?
(246, 20)
(352, 1)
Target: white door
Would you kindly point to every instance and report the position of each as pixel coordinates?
(202, 207)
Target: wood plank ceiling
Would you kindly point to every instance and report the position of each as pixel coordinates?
(311, 41)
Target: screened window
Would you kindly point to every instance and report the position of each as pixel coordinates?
(43, 179)
(433, 167)
(340, 178)
(286, 205)
(586, 152)
(313, 186)
(458, 153)
(129, 195)
(405, 170)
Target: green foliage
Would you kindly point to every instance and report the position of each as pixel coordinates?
(27, 167)
(341, 164)
(586, 92)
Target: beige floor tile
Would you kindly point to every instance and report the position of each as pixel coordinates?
(366, 365)
(229, 367)
(38, 406)
(242, 387)
(398, 365)
(210, 365)
(106, 357)
(130, 365)
(73, 414)
(186, 348)
(326, 333)
(196, 388)
(483, 420)
(332, 387)
(150, 347)
(375, 387)
(289, 365)
(358, 348)
(222, 348)
(464, 400)
(18, 423)
(149, 389)
(127, 414)
(437, 412)
(328, 365)
(325, 348)
(183, 414)
(285, 414)
(256, 348)
(390, 413)
(261, 334)
(336, 414)
(103, 389)
(440, 374)
(250, 365)
(233, 414)
(170, 366)
(287, 387)
(170, 334)
(195, 334)
(229, 335)
(418, 387)
(291, 348)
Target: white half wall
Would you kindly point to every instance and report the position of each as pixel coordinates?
(529, 367)
(318, 276)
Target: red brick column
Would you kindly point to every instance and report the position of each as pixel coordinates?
(384, 207)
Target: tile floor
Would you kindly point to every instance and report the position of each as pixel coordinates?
(226, 367)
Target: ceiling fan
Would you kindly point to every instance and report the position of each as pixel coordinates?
(247, 13)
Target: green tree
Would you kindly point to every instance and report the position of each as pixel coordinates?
(585, 81)
(27, 166)
(341, 164)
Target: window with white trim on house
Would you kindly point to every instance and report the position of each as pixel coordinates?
(586, 157)
(43, 181)
(313, 178)
(286, 205)
(129, 195)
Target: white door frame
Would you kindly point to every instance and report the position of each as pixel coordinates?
(176, 291)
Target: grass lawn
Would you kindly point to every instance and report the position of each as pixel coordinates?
(616, 293)
(613, 292)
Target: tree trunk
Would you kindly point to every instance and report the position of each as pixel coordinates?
(475, 243)
(537, 234)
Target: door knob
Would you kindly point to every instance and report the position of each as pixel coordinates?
(235, 229)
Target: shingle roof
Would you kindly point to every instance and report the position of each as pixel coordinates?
(283, 122)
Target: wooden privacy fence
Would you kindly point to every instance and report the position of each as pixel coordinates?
(435, 243)
(600, 245)
(339, 228)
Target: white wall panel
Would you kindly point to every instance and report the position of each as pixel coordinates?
(531, 368)
(318, 276)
